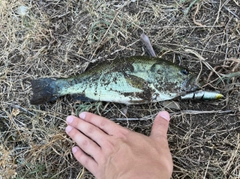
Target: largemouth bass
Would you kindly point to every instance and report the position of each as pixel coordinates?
(133, 80)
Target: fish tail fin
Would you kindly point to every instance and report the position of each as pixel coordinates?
(44, 90)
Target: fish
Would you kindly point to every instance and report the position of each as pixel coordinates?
(127, 80)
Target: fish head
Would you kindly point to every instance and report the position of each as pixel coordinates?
(186, 79)
(189, 80)
(174, 78)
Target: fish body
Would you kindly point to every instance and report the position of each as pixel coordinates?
(132, 80)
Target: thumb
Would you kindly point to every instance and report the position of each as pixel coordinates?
(160, 125)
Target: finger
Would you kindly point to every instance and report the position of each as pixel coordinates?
(86, 144)
(90, 130)
(85, 160)
(105, 124)
(160, 125)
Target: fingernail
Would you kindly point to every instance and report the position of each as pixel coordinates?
(69, 119)
(74, 150)
(165, 115)
(68, 129)
(82, 115)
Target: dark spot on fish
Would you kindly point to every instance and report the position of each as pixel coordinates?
(185, 71)
(81, 97)
(124, 65)
(155, 66)
(128, 67)
(171, 86)
(105, 81)
(115, 80)
(156, 96)
(146, 95)
(135, 81)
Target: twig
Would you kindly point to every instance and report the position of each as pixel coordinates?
(205, 173)
(202, 60)
(186, 11)
(194, 17)
(116, 51)
(237, 3)
(234, 154)
(149, 117)
(228, 77)
(217, 18)
(19, 107)
(174, 114)
(231, 12)
(194, 112)
(233, 59)
(104, 35)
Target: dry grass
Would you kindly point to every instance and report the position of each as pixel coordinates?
(60, 38)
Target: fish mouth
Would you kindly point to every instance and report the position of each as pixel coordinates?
(191, 84)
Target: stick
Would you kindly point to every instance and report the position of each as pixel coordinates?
(148, 44)
(192, 112)
(21, 108)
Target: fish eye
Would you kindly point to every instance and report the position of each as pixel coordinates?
(185, 71)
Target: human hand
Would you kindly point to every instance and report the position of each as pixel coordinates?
(110, 151)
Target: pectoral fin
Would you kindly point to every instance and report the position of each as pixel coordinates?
(141, 84)
(136, 82)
